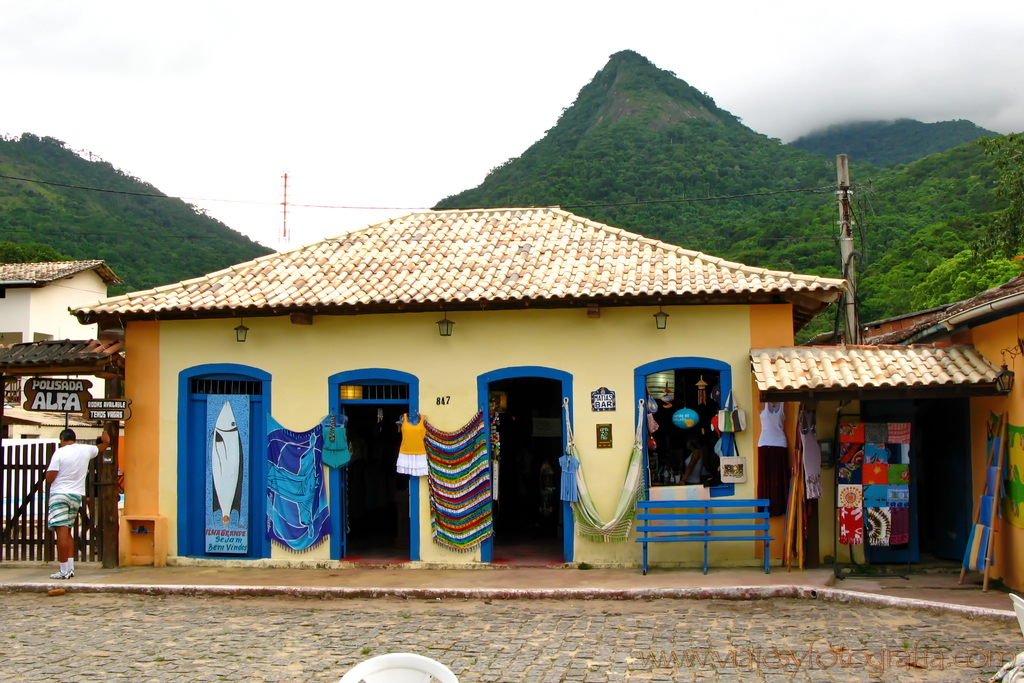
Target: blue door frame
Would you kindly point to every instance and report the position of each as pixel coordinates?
(483, 403)
(724, 371)
(192, 459)
(339, 537)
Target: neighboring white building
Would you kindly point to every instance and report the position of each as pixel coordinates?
(34, 303)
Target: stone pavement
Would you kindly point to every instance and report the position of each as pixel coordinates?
(216, 622)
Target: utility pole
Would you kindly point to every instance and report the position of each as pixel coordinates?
(846, 252)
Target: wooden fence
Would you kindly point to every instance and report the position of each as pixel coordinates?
(24, 536)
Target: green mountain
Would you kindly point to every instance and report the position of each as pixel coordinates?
(888, 143)
(147, 241)
(642, 150)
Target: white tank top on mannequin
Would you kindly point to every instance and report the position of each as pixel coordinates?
(773, 422)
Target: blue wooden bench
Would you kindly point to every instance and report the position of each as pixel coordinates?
(703, 520)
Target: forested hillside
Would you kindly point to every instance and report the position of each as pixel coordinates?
(147, 241)
(642, 150)
(888, 143)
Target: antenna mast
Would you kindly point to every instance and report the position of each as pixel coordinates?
(284, 238)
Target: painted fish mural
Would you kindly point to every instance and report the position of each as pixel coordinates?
(227, 465)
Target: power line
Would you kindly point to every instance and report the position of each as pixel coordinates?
(410, 208)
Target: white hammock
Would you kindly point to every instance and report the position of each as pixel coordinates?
(589, 524)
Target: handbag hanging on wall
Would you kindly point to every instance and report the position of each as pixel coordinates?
(734, 466)
(731, 418)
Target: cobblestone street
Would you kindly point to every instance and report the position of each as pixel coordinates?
(100, 637)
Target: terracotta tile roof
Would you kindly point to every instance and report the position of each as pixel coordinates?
(47, 271)
(843, 367)
(1010, 288)
(445, 257)
(55, 354)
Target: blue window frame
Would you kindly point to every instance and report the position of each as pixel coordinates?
(724, 371)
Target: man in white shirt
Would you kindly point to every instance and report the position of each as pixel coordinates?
(66, 477)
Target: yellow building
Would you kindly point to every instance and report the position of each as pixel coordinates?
(525, 325)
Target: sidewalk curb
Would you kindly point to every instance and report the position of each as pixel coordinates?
(731, 593)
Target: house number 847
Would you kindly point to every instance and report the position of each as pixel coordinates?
(443, 400)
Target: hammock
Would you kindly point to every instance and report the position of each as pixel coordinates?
(460, 485)
(297, 514)
(589, 524)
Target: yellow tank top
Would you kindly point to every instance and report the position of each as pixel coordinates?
(413, 436)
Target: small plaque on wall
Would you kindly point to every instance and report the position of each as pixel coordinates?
(602, 399)
(604, 436)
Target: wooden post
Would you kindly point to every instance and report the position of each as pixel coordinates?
(108, 495)
(846, 252)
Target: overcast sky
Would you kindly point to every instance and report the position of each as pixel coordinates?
(400, 104)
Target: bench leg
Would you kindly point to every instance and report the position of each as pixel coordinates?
(645, 558)
(705, 557)
(767, 569)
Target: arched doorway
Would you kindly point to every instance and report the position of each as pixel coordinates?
(377, 512)
(527, 437)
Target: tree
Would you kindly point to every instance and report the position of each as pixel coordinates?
(1006, 236)
(13, 252)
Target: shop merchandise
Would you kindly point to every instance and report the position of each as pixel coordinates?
(336, 449)
(412, 454)
(773, 459)
(589, 523)
(807, 425)
(460, 485)
(297, 515)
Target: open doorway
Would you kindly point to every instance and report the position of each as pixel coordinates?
(376, 496)
(527, 418)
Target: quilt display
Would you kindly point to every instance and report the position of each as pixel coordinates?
(297, 513)
(459, 475)
(1013, 469)
(873, 478)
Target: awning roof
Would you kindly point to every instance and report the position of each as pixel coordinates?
(807, 373)
(63, 357)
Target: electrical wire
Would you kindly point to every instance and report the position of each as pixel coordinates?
(406, 208)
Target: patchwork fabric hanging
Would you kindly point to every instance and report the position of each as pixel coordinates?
(874, 483)
(297, 513)
(460, 485)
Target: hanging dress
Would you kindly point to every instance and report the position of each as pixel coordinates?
(812, 453)
(773, 459)
(412, 454)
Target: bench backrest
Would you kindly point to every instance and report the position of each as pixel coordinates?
(702, 515)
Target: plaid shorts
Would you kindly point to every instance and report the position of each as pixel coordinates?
(63, 509)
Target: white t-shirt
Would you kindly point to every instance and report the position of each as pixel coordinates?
(71, 463)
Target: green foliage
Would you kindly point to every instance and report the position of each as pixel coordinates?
(12, 252)
(887, 143)
(636, 132)
(961, 277)
(1006, 234)
(147, 241)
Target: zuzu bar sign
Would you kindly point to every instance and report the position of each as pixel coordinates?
(57, 395)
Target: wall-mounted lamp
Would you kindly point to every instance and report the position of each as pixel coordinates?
(241, 331)
(661, 319)
(1004, 380)
(445, 326)
(1005, 376)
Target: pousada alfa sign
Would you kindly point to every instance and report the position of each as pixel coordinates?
(57, 395)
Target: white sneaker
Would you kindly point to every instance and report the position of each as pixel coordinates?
(62, 575)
